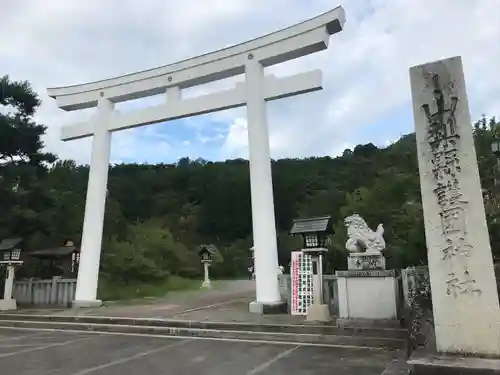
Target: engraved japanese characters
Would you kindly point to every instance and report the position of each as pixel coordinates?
(462, 279)
(365, 261)
(443, 141)
(362, 238)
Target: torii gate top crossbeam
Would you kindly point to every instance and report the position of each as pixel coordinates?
(295, 41)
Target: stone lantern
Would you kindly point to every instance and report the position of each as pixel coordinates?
(10, 254)
(315, 234)
(206, 253)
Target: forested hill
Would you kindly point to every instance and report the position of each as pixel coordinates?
(156, 215)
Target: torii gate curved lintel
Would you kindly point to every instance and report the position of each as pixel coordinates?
(249, 58)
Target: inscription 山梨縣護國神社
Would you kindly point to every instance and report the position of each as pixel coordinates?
(443, 140)
(461, 274)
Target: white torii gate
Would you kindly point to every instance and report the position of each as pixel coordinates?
(249, 58)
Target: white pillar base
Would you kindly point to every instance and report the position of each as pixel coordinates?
(76, 304)
(8, 304)
(256, 307)
(318, 313)
(206, 284)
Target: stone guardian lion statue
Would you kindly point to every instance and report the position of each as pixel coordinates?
(362, 238)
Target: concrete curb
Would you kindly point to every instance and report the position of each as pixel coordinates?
(313, 329)
(432, 364)
(397, 367)
(299, 338)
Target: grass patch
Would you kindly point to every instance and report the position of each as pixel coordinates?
(112, 291)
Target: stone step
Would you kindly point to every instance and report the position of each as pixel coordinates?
(295, 338)
(426, 364)
(309, 328)
(369, 323)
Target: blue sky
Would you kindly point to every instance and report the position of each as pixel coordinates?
(194, 138)
(366, 95)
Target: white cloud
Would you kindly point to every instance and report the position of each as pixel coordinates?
(236, 143)
(365, 69)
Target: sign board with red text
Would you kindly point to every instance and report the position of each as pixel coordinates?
(301, 273)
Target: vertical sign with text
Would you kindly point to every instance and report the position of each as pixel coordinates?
(301, 273)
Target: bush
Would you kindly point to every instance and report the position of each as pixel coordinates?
(110, 290)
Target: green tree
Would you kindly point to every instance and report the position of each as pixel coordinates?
(149, 253)
(23, 163)
(157, 215)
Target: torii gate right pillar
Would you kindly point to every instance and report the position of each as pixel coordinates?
(261, 185)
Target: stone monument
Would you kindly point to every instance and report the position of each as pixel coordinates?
(464, 292)
(366, 290)
(364, 245)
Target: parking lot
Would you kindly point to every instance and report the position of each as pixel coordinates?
(24, 352)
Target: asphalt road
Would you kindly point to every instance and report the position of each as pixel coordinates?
(31, 352)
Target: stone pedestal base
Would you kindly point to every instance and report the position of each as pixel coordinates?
(8, 304)
(451, 365)
(367, 294)
(256, 307)
(86, 304)
(318, 313)
(365, 261)
(206, 284)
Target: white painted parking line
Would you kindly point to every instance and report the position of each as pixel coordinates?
(131, 358)
(266, 365)
(20, 337)
(17, 345)
(43, 347)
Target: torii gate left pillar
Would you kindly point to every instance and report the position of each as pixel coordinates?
(249, 58)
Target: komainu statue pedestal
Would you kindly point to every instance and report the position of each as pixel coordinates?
(367, 294)
(366, 290)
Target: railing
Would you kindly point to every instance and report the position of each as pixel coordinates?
(54, 292)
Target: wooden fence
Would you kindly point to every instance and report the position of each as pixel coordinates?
(54, 292)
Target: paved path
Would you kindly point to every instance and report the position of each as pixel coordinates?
(227, 292)
(227, 303)
(29, 352)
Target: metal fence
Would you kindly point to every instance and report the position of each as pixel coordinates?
(54, 292)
